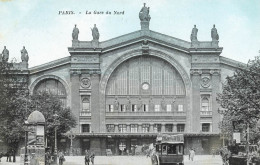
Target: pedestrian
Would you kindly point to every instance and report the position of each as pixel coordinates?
(192, 154)
(87, 157)
(48, 158)
(92, 157)
(1, 155)
(61, 158)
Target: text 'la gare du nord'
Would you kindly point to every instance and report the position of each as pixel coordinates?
(93, 12)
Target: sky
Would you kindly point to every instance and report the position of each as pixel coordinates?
(46, 34)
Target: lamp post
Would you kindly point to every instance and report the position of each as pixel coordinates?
(26, 143)
(71, 136)
(55, 140)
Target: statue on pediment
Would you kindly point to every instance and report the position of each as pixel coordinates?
(144, 14)
(24, 55)
(95, 33)
(194, 32)
(75, 33)
(5, 54)
(214, 34)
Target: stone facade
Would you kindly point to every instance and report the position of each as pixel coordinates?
(125, 90)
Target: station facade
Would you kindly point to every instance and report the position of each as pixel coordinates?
(126, 90)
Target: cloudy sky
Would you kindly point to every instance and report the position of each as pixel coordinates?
(46, 34)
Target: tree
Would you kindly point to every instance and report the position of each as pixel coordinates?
(241, 96)
(16, 105)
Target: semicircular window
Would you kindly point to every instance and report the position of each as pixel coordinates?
(53, 86)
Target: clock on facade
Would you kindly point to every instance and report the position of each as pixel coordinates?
(145, 86)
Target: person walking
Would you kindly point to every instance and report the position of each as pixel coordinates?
(87, 157)
(61, 158)
(192, 154)
(92, 156)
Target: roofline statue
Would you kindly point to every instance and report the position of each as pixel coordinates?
(75, 33)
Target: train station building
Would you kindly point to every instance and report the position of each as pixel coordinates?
(126, 90)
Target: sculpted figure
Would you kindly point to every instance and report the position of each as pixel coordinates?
(5, 54)
(173, 103)
(95, 33)
(75, 33)
(24, 55)
(140, 104)
(163, 104)
(128, 106)
(116, 104)
(214, 34)
(151, 104)
(144, 14)
(193, 36)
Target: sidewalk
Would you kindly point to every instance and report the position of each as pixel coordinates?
(128, 160)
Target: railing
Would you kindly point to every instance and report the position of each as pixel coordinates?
(82, 113)
(145, 113)
(206, 113)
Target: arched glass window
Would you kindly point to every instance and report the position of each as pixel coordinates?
(205, 104)
(53, 86)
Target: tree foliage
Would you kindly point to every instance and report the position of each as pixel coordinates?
(16, 105)
(241, 97)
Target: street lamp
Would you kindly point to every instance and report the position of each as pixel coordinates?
(55, 140)
(71, 136)
(26, 143)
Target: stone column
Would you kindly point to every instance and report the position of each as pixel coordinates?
(75, 98)
(163, 128)
(215, 89)
(195, 78)
(97, 117)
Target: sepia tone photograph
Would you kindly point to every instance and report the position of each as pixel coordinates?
(130, 82)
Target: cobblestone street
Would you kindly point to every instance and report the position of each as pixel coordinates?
(130, 160)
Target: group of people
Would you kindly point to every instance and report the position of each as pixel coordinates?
(89, 157)
(48, 159)
(8, 155)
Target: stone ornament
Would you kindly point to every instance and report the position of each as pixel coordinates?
(214, 34)
(205, 82)
(75, 33)
(24, 55)
(144, 14)
(95, 33)
(194, 32)
(85, 82)
(5, 54)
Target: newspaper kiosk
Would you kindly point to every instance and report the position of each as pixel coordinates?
(170, 149)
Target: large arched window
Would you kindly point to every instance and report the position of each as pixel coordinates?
(145, 76)
(53, 86)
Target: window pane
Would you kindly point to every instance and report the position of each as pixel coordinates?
(85, 128)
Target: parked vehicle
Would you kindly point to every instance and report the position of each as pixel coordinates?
(169, 150)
